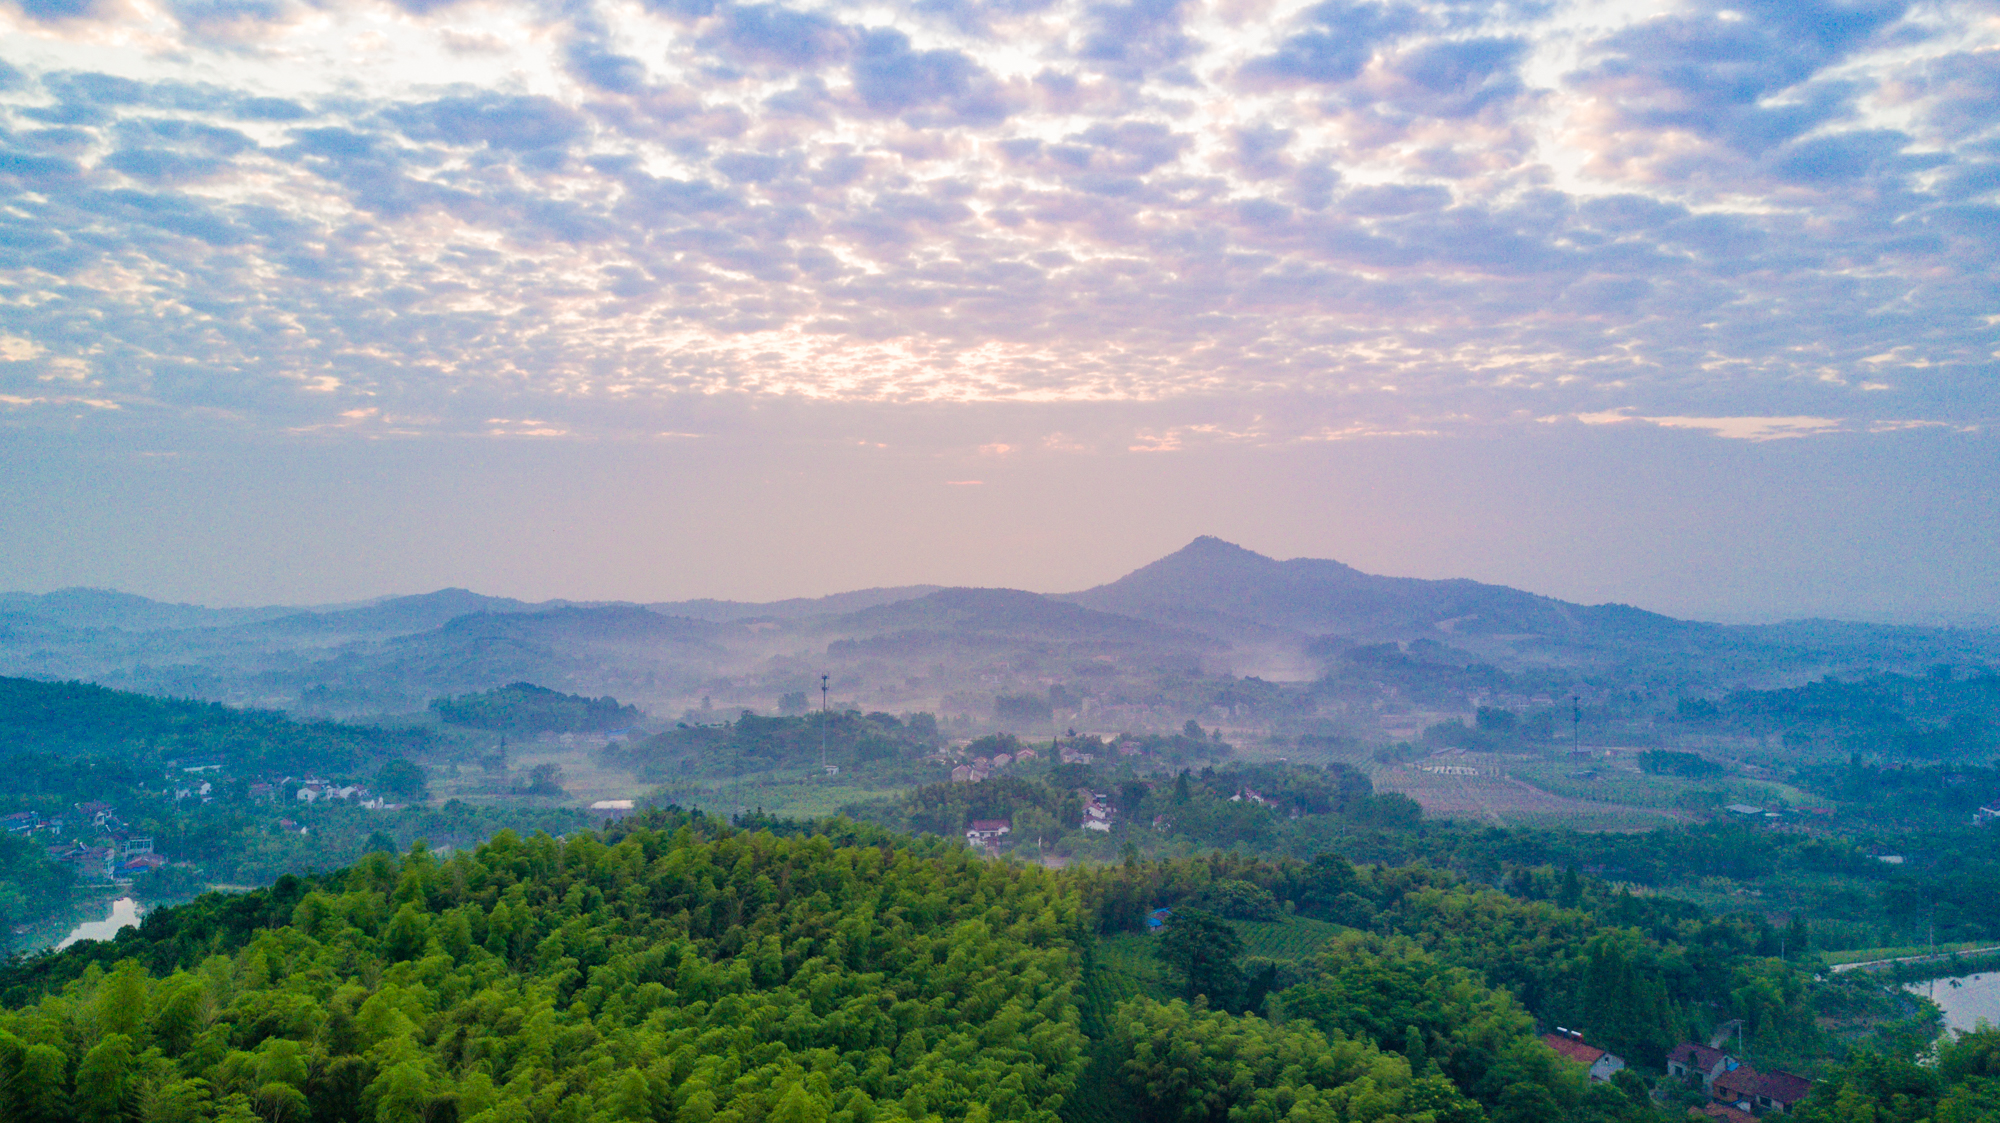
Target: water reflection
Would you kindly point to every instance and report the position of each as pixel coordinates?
(124, 914)
(1966, 1000)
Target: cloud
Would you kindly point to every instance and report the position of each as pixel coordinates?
(776, 35)
(511, 122)
(1390, 218)
(1334, 40)
(927, 87)
(1731, 428)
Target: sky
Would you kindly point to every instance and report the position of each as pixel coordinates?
(1686, 305)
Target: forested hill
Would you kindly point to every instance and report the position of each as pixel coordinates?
(678, 969)
(70, 719)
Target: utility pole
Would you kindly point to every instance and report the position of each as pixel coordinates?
(1576, 723)
(822, 725)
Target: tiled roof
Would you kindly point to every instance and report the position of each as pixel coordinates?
(1742, 1080)
(1573, 1049)
(1784, 1087)
(1699, 1057)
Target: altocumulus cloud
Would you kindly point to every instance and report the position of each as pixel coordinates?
(1338, 218)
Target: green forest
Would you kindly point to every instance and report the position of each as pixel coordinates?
(878, 748)
(674, 967)
(74, 719)
(523, 707)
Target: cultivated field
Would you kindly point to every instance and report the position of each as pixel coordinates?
(1480, 787)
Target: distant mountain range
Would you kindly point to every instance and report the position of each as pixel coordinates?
(1210, 590)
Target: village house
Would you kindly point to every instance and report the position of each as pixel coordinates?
(1690, 1061)
(987, 832)
(1734, 1084)
(1598, 1062)
(1774, 1093)
(613, 809)
(99, 815)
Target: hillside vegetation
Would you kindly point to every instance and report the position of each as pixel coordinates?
(676, 968)
(69, 719)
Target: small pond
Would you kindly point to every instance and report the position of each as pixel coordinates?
(124, 914)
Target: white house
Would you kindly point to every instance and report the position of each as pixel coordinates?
(986, 832)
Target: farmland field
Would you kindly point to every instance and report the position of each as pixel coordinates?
(1492, 796)
(1622, 782)
(1613, 782)
(1293, 938)
(1127, 969)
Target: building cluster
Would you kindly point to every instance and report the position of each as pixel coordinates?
(119, 854)
(312, 790)
(1736, 1091)
(28, 822)
(980, 767)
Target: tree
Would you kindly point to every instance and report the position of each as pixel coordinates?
(545, 779)
(1203, 949)
(404, 780)
(101, 1080)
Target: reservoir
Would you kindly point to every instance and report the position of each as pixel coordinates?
(124, 914)
(1966, 1000)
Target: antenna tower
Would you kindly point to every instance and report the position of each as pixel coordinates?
(822, 724)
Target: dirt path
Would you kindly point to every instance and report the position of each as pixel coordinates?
(1927, 957)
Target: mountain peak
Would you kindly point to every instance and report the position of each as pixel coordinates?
(1209, 546)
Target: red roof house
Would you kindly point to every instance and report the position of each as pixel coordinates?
(1571, 1045)
(1763, 1091)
